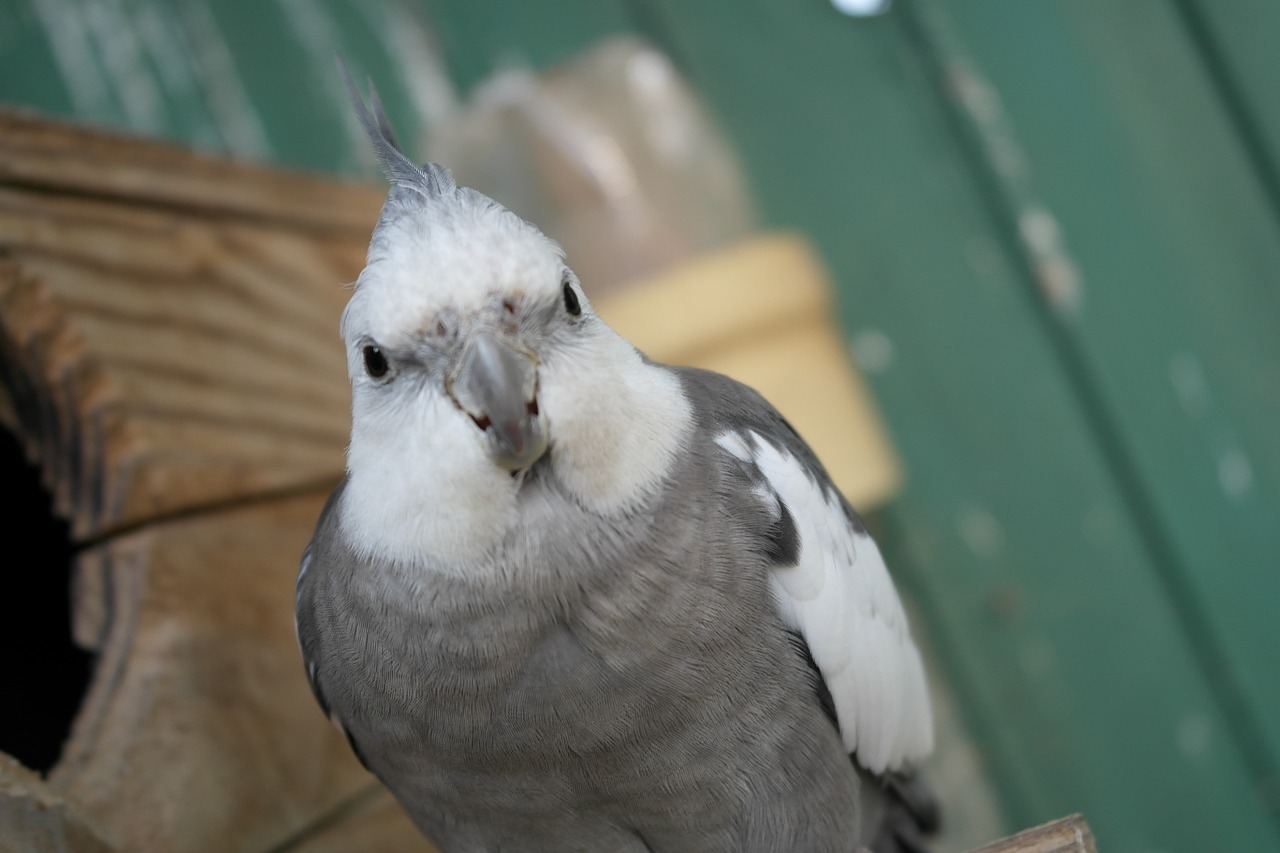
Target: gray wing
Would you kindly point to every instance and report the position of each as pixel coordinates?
(834, 593)
(830, 583)
(304, 616)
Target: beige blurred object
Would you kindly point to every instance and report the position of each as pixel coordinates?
(760, 311)
(610, 154)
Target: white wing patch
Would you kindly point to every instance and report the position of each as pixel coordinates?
(840, 598)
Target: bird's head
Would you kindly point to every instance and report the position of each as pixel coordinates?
(474, 355)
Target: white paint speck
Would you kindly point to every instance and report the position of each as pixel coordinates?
(1235, 473)
(977, 95)
(1059, 281)
(1056, 274)
(861, 8)
(1040, 230)
(872, 350)
(1193, 735)
(1098, 525)
(980, 530)
(1037, 658)
(1187, 375)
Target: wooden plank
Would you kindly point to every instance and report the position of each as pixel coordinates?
(1175, 322)
(36, 151)
(1012, 531)
(373, 822)
(33, 817)
(165, 353)
(199, 731)
(1237, 42)
(1070, 834)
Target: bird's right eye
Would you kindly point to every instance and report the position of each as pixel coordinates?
(375, 362)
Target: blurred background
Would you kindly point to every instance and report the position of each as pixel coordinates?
(1054, 232)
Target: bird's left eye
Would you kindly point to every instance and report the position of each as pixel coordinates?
(375, 362)
(571, 303)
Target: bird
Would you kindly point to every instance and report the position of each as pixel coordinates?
(567, 598)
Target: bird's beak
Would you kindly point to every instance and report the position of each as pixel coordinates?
(497, 385)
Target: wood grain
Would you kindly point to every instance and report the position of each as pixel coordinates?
(42, 153)
(1070, 834)
(374, 821)
(199, 731)
(34, 817)
(168, 344)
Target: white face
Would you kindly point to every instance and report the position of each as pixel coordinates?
(473, 355)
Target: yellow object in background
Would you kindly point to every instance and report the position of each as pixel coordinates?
(760, 311)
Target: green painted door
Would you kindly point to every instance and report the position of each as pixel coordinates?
(1056, 232)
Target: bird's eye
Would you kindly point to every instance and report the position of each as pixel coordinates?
(571, 303)
(375, 363)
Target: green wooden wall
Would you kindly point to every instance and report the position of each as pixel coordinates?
(1055, 227)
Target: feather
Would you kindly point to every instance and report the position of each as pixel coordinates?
(432, 180)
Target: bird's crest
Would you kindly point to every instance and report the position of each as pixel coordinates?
(431, 180)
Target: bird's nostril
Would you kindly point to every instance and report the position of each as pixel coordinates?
(482, 421)
(532, 407)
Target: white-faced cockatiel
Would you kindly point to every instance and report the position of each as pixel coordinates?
(570, 599)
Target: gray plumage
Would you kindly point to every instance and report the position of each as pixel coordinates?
(612, 661)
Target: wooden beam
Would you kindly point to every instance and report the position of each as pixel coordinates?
(199, 731)
(168, 321)
(1070, 834)
(45, 154)
(35, 817)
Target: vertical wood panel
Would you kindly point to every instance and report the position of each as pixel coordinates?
(1158, 198)
(1238, 44)
(1041, 586)
(1094, 479)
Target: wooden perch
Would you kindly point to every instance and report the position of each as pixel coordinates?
(34, 817)
(1070, 834)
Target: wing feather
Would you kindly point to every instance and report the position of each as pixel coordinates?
(839, 598)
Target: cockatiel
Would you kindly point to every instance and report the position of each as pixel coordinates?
(569, 599)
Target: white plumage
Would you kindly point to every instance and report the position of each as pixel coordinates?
(840, 599)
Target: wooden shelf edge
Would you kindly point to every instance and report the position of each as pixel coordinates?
(1070, 834)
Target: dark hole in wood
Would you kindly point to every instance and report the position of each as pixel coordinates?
(45, 674)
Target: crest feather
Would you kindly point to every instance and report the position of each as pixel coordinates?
(431, 180)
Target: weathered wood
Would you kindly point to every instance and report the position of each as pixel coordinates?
(1070, 834)
(160, 359)
(41, 153)
(374, 821)
(34, 817)
(199, 731)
